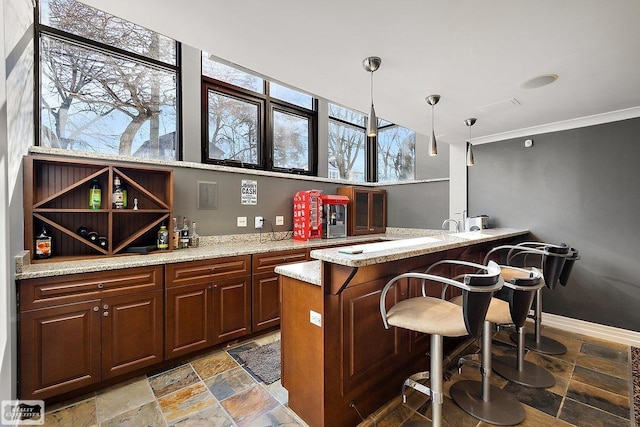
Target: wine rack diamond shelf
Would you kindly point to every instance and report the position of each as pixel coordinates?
(56, 196)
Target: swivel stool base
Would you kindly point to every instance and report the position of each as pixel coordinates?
(544, 345)
(502, 409)
(531, 375)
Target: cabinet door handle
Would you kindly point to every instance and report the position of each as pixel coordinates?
(100, 285)
(106, 306)
(213, 269)
(96, 308)
(209, 287)
(371, 229)
(105, 314)
(284, 260)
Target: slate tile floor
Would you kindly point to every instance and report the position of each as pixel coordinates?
(592, 389)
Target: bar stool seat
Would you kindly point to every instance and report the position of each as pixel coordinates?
(440, 318)
(479, 398)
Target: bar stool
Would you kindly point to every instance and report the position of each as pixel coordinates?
(556, 261)
(440, 318)
(479, 398)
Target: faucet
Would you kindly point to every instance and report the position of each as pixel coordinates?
(445, 224)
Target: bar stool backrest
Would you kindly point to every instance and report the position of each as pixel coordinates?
(477, 303)
(519, 292)
(568, 266)
(553, 263)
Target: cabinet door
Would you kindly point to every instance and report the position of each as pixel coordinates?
(231, 308)
(378, 213)
(361, 211)
(188, 321)
(266, 301)
(131, 332)
(59, 349)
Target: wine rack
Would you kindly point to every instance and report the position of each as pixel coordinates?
(56, 196)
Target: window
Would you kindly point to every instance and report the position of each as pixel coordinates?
(105, 85)
(254, 123)
(348, 146)
(396, 153)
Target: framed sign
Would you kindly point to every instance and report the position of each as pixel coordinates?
(249, 192)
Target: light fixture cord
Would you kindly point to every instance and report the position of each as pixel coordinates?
(371, 87)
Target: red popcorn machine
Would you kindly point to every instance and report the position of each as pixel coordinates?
(334, 216)
(307, 215)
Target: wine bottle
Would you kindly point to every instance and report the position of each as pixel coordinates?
(103, 242)
(93, 237)
(83, 231)
(43, 245)
(118, 195)
(163, 238)
(95, 194)
(184, 234)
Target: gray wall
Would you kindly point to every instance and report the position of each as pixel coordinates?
(577, 186)
(421, 205)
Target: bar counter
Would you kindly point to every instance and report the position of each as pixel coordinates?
(338, 361)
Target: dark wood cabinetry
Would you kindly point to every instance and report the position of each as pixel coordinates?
(207, 302)
(366, 210)
(265, 289)
(78, 330)
(56, 196)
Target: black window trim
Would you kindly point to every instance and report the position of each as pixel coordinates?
(42, 29)
(266, 107)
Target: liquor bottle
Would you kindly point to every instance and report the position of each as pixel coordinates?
(184, 234)
(163, 238)
(118, 195)
(124, 195)
(175, 239)
(95, 194)
(194, 238)
(43, 245)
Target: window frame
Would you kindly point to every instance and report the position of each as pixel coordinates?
(55, 33)
(267, 106)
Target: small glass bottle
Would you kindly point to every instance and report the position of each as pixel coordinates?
(175, 239)
(95, 194)
(118, 194)
(194, 238)
(43, 245)
(163, 238)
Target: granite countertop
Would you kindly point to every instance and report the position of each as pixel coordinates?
(210, 247)
(385, 251)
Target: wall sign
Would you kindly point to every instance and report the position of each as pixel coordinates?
(249, 192)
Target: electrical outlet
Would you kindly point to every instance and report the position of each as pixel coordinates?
(279, 220)
(242, 221)
(315, 318)
(258, 222)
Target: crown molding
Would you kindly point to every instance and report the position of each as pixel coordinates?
(597, 119)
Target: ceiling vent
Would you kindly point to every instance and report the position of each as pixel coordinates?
(500, 106)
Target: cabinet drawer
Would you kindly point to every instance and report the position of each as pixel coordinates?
(185, 273)
(267, 262)
(52, 291)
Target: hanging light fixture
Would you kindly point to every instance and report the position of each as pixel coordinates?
(371, 64)
(470, 159)
(433, 146)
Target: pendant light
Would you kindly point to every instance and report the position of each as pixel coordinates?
(470, 159)
(371, 64)
(433, 146)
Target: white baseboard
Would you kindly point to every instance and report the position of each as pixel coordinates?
(595, 330)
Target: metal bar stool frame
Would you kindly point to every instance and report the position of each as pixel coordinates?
(477, 292)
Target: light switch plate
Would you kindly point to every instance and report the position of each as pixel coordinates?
(242, 221)
(279, 220)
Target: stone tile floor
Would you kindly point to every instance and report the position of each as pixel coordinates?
(592, 389)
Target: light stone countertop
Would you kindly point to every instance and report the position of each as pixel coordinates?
(210, 248)
(385, 251)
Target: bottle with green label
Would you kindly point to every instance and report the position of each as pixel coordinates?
(95, 195)
(163, 238)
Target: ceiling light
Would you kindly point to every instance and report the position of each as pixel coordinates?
(536, 82)
(470, 160)
(433, 146)
(371, 64)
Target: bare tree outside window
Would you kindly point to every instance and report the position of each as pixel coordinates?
(100, 101)
(346, 143)
(396, 153)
